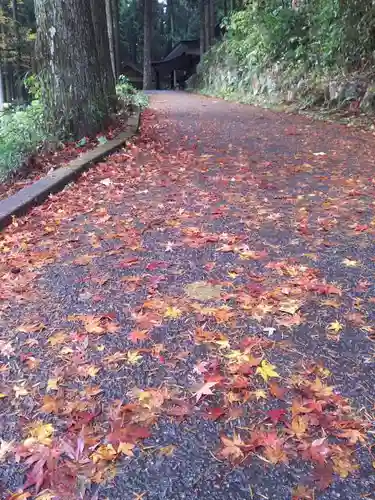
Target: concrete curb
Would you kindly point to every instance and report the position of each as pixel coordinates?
(20, 202)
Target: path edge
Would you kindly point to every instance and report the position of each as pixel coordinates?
(36, 193)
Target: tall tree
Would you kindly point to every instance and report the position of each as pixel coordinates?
(70, 69)
(18, 86)
(116, 36)
(98, 14)
(109, 16)
(170, 14)
(207, 24)
(147, 35)
(212, 13)
(202, 27)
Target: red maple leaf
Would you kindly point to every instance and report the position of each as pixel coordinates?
(276, 415)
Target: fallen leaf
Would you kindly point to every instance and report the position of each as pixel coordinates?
(201, 290)
(126, 449)
(104, 452)
(5, 448)
(335, 327)
(172, 312)
(277, 415)
(31, 327)
(204, 390)
(232, 448)
(350, 263)
(133, 357)
(138, 335)
(267, 371)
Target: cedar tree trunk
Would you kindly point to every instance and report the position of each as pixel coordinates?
(70, 70)
(147, 69)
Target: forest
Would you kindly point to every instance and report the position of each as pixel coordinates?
(62, 63)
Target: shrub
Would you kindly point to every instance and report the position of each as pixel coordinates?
(272, 46)
(129, 95)
(21, 132)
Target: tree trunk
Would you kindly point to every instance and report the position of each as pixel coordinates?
(108, 11)
(70, 69)
(18, 80)
(147, 69)
(202, 27)
(1, 90)
(98, 15)
(116, 36)
(207, 24)
(212, 21)
(170, 15)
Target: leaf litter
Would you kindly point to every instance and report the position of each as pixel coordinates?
(214, 314)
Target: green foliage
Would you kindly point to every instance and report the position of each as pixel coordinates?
(184, 26)
(274, 43)
(21, 133)
(129, 95)
(33, 86)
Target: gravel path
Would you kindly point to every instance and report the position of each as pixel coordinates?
(195, 316)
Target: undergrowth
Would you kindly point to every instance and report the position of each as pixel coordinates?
(23, 131)
(273, 46)
(21, 134)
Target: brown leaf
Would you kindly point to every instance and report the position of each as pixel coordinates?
(232, 448)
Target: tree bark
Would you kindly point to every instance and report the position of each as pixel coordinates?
(1, 90)
(147, 69)
(18, 81)
(202, 27)
(116, 36)
(70, 69)
(212, 21)
(170, 15)
(206, 24)
(108, 11)
(98, 15)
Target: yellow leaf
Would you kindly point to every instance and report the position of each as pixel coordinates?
(203, 291)
(299, 425)
(350, 263)
(104, 452)
(290, 306)
(58, 338)
(93, 371)
(45, 495)
(167, 450)
(266, 370)
(335, 327)
(40, 433)
(260, 394)
(52, 384)
(133, 357)
(172, 312)
(223, 344)
(126, 449)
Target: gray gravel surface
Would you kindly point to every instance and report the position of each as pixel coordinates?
(143, 226)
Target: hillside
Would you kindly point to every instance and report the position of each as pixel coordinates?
(311, 53)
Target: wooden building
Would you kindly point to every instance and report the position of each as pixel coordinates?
(178, 65)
